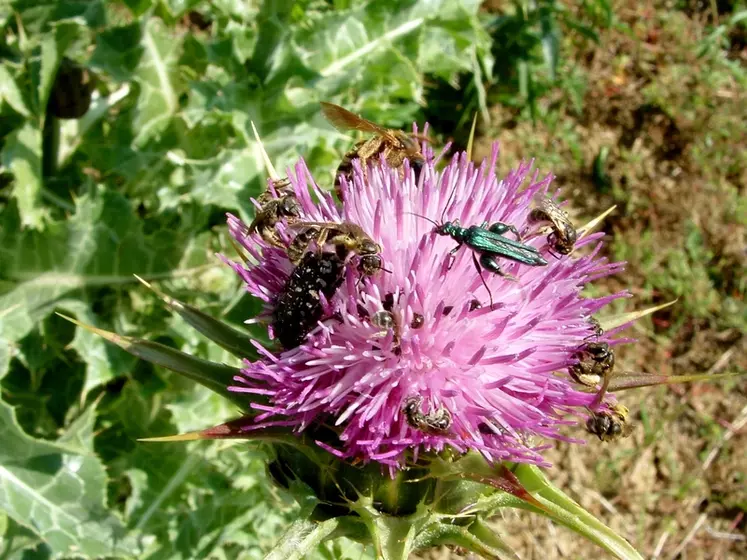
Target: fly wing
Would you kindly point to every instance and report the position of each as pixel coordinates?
(343, 119)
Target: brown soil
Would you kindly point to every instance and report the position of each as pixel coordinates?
(677, 163)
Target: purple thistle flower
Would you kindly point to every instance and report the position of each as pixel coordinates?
(493, 370)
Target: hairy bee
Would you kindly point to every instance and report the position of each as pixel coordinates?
(596, 361)
(394, 145)
(346, 238)
(563, 236)
(276, 206)
(298, 308)
(610, 425)
(437, 421)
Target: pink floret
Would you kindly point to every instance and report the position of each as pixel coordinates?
(495, 370)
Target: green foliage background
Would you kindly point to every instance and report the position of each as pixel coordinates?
(140, 185)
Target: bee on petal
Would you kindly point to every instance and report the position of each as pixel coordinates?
(273, 209)
(345, 237)
(563, 235)
(394, 145)
(610, 425)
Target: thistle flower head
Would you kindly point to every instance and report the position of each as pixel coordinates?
(415, 359)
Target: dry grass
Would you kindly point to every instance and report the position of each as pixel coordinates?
(675, 128)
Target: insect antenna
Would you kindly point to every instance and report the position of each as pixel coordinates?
(424, 217)
(448, 202)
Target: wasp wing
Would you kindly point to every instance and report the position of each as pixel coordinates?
(343, 119)
(306, 225)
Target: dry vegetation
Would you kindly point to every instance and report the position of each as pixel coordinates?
(674, 127)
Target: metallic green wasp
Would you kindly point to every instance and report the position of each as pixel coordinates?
(489, 242)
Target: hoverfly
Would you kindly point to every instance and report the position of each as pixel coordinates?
(347, 238)
(437, 421)
(273, 209)
(610, 425)
(394, 145)
(563, 236)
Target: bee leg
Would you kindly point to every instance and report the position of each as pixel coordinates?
(550, 250)
(500, 228)
(479, 271)
(364, 168)
(321, 239)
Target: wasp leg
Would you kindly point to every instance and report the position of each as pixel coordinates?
(500, 228)
(479, 271)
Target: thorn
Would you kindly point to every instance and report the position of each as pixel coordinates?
(585, 229)
(268, 164)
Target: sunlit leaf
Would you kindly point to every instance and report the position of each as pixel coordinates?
(104, 362)
(118, 51)
(300, 539)
(23, 156)
(72, 131)
(158, 79)
(10, 93)
(102, 244)
(57, 489)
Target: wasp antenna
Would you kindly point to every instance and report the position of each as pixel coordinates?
(424, 217)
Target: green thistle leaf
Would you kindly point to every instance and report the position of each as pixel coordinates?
(57, 489)
(216, 377)
(302, 538)
(225, 336)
